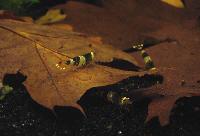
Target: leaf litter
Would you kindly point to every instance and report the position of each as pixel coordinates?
(176, 59)
(158, 104)
(48, 85)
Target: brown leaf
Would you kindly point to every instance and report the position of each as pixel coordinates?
(35, 50)
(63, 26)
(177, 63)
(122, 22)
(66, 44)
(7, 15)
(164, 106)
(4, 14)
(161, 107)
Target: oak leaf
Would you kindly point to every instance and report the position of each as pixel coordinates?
(34, 51)
(176, 60)
(178, 67)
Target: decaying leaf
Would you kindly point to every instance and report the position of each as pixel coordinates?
(4, 14)
(63, 26)
(162, 105)
(176, 60)
(177, 65)
(67, 45)
(110, 21)
(35, 50)
(52, 16)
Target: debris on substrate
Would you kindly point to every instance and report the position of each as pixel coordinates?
(20, 115)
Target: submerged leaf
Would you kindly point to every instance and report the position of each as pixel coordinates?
(178, 67)
(63, 26)
(37, 50)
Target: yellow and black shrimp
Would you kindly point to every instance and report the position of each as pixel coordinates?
(81, 60)
(78, 61)
(149, 65)
(124, 100)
